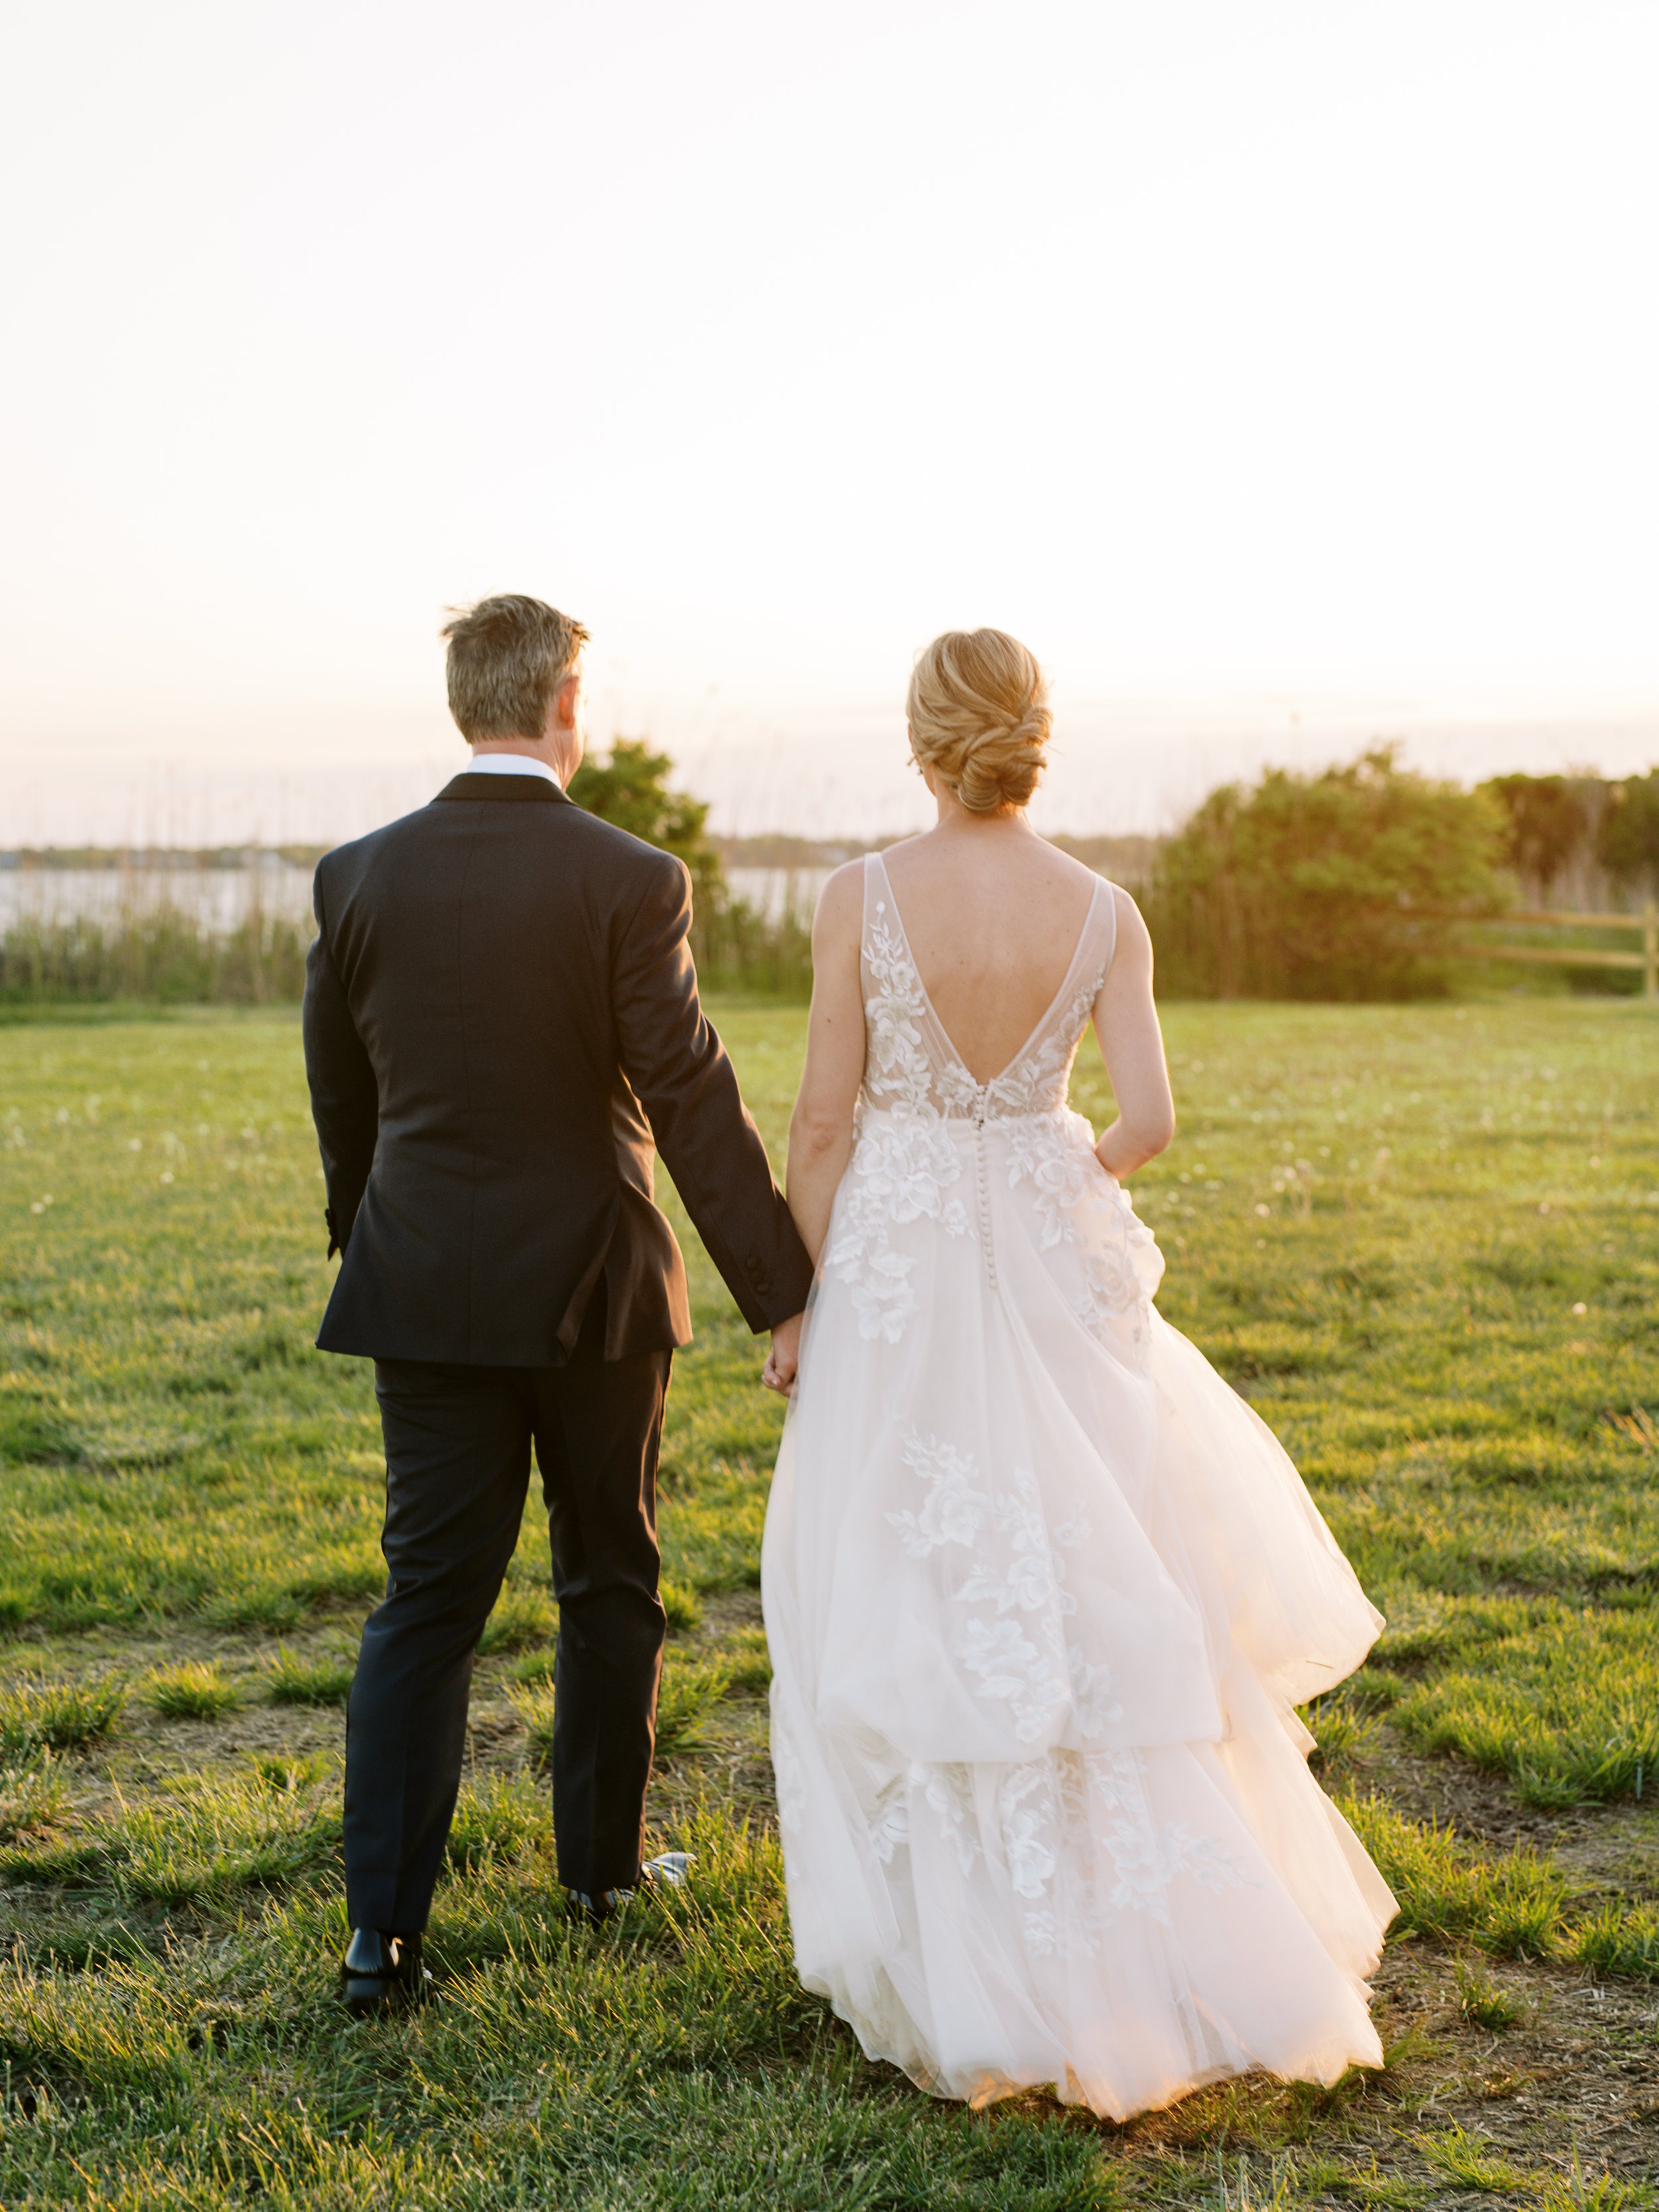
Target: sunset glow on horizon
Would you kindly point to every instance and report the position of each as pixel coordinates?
(1282, 376)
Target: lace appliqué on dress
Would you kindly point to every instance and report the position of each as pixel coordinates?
(1054, 1834)
(954, 1512)
(1031, 1663)
(1045, 1151)
(1036, 1082)
(897, 1069)
(1122, 1268)
(1077, 1203)
(903, 1162)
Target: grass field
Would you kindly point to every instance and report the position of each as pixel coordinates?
(1424, 1242)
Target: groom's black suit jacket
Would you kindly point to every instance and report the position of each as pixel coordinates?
(500, 984)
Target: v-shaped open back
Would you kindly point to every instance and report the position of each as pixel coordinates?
(910, 1060)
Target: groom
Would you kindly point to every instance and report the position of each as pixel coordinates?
(500, 1013)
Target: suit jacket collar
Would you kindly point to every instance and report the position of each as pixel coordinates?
(534, 788)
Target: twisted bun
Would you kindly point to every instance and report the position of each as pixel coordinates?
(978, 711)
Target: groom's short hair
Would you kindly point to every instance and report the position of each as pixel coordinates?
(508, 656)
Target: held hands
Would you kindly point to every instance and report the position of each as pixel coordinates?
(784, 1358)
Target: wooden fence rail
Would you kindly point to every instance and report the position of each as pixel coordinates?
(1645, 923)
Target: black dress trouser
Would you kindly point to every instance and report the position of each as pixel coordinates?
(458, 1442)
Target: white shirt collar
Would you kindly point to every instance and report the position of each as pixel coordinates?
(510, 764)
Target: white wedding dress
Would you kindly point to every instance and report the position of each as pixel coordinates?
(1042, 1595)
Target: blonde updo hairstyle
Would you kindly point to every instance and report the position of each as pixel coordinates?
(978, 712)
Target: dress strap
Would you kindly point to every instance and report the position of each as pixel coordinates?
(875, 880)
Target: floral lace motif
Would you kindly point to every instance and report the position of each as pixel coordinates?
(900, 1171)
(1053, 1837)
(1028, 1661)
(1036, 1082)
(1043, 1150)
(903, 1162)
(897, 1069)
(1146, 1863)
(954, 1512)
(1075, 1832)
(1077, 1203)
(948, 1791)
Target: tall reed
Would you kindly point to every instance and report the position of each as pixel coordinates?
(737, 947)
(164, 956)
(167, 957)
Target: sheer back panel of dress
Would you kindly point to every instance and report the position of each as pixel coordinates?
(910, 1062)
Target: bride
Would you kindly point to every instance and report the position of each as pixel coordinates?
(1041, 1593)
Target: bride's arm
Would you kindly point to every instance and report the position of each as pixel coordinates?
(821, 1127)
(1132, 1044)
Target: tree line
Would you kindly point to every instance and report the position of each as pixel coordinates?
(1357, 882)
(1352, 881)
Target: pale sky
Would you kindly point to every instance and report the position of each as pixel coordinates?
(1282, 373)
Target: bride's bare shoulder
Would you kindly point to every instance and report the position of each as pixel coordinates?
(1131, 942)
(1068, 866)
(841, 904)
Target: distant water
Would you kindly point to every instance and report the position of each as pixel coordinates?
(774, 892)
(221, 899)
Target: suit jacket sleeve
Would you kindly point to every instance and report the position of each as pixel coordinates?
(344, 1097)
(681, 1075)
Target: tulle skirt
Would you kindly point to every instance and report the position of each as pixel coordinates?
(1042, 1593)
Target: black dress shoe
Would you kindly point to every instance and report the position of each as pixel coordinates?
(668, 1870)
(383, 1973)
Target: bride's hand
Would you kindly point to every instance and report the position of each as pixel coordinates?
(784, 1358)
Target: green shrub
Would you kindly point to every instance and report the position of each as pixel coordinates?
(736, 945)
(1323, 886)
(731, 942)
(1547, 822)
(1628, 835)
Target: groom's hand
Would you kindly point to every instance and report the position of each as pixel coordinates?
(784, 1358)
